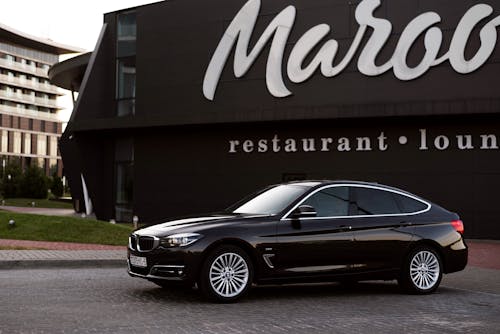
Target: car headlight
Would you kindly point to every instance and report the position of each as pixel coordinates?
(181, 239)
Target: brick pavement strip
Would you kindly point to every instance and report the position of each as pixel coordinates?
(56, 258)
(31, 244)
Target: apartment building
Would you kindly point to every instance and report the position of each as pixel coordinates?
(30, 124)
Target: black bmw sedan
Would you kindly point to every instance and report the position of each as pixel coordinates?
(301, 232)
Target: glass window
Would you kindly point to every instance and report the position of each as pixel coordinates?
(375, 202)
(126, 34)
(271, 201)
(126, 107)
(126, 78)
(409, 205)
(124, 179)
(127, 27)
(330, 202)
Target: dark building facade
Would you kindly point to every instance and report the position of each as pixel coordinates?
(186, 106)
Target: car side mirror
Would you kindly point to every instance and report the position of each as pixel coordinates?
(303, 211)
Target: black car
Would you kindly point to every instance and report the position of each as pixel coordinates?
(301, 232)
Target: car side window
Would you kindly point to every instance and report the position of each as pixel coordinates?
(410, 205)
(375, 202)
(330, 202)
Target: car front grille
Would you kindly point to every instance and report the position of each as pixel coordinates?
(145, 243)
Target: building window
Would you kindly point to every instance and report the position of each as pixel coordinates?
(126, 34)
(124, 179)
(126, 87)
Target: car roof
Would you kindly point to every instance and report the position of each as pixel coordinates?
(321, 183)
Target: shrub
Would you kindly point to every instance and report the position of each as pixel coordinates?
(11, 181)
(57, 186)
(34, 184)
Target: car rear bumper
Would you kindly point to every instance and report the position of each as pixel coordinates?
(456, 256)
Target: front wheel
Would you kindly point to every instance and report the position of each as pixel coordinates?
(226, 274)
(422, 271)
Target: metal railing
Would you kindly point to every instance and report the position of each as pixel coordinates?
(30, 99)
(25, 83)
(29, 113)
(9, 64)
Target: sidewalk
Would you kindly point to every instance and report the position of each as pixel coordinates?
(44, 211)
(482, 253)
(59, 254)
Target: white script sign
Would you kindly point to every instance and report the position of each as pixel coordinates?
(241, 28)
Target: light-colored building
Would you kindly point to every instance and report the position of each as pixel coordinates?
(30, 125)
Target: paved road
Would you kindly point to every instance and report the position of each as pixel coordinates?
(108, 301)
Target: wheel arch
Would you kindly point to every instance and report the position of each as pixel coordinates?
(245, 246)
(429, 243)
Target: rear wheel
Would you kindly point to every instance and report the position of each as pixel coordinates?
(422, 271)
(226, 274)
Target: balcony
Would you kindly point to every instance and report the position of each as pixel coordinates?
(28, 99)
(29, 69)
(25, 83)
(29, 113)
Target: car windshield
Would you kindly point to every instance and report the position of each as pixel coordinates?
(270, 201)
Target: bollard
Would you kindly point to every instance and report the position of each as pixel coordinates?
(135, 220)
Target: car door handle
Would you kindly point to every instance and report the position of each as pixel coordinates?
(345, 227)
(404, 224)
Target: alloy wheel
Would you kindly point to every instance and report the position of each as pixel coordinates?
(424, 270)
(229, 275)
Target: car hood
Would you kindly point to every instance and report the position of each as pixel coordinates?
(193, 224)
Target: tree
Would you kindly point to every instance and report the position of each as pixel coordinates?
(34, 184)
(57, 186)
(11, 181)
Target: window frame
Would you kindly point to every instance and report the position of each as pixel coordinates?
(286, 215)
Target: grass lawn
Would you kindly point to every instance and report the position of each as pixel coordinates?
(66, 229)
(39, 203)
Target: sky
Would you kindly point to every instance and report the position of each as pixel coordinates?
(76, 23)
(70, 22)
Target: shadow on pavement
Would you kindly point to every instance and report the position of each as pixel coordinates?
(283, 292)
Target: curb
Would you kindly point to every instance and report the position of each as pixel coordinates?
(35, 264)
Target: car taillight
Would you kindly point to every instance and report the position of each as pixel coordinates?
(458, 225)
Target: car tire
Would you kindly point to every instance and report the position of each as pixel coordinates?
(422, 271)
(226, 275)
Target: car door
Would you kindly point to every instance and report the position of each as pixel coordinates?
(382, 231)
(320, 245)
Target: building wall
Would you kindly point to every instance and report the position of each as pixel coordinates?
(175, 149)
(28, 108)
(188, 171)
